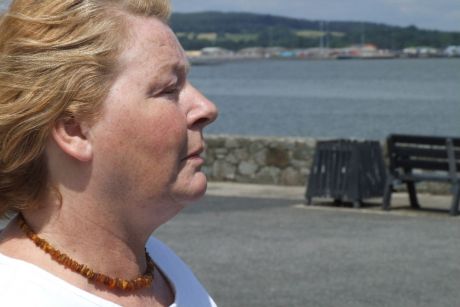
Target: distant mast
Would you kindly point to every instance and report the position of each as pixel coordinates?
(323, 37)
(363, 35)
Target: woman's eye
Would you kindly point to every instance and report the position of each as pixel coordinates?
(170, 91)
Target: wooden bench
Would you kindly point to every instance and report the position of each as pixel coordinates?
(415, 158)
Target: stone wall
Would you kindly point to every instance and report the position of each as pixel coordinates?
(269, 160)
(263, 160)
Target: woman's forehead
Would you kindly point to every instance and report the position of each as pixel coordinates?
(152, 41)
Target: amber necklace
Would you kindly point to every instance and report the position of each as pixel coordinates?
(142, 281)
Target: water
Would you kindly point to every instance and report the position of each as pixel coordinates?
(331, 99)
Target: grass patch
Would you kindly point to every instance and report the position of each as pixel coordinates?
(211, 36)
(241, 37)
(189, 35)
(317, 34)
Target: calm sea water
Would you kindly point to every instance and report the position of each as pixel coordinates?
(349, 99)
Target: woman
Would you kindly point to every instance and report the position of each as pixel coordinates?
(101, 136)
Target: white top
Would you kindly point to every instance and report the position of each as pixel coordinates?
(24, 284)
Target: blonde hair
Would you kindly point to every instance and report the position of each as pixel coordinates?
(57, 60)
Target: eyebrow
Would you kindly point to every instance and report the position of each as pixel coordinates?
(178, 68)
(181, 69)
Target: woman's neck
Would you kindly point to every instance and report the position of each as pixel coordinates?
(100, 241)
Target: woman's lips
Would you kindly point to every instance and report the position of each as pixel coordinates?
(195, 155)
(195, 158)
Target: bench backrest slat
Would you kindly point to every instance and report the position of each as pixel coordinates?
(429, 153)
(423, 140)
(421, 152)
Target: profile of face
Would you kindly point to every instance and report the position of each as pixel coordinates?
(148, 140)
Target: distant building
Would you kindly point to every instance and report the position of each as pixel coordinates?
(452, 51)
(193, 53)
(287, 54)
(216, 52)
(411, 52)
(271, 52)
(252, 52)
(429, 52)
(421, 52)
(367, 51)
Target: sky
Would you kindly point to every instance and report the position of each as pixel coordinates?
(425, 14)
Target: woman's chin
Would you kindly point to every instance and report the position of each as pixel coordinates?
(193, 190)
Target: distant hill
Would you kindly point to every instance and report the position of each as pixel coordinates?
(239, 30)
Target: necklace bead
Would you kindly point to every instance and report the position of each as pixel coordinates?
(142, 281)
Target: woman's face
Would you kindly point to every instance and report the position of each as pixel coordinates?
(148, 140)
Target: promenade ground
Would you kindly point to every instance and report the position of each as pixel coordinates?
(260, 246)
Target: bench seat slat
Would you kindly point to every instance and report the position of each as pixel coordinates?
(426, 177)
(427, 165)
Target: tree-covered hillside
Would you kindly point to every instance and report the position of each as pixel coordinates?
(239, 30)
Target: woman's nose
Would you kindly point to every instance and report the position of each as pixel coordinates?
(203, 111)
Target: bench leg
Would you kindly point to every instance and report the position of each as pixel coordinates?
(455, 199)
(387, 194)
(412, 195)
(357, 204)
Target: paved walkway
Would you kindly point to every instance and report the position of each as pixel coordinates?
(431, 204)
(260, 246)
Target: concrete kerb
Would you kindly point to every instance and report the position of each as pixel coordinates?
(432, 205)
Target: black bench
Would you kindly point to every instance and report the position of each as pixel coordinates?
(415, 158)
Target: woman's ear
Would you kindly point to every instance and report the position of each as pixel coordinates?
(72, 137)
